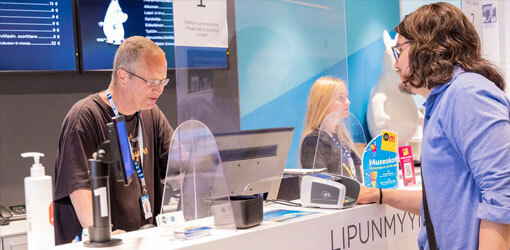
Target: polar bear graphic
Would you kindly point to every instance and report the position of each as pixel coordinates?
(388, 108)
(112, 24)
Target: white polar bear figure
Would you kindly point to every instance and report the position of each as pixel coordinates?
(388, 108)
(113, 27)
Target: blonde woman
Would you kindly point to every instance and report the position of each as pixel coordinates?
(335, 149)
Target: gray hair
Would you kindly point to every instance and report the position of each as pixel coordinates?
(130, 51)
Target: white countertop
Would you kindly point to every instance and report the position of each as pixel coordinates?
(314, 231)
(14, 228)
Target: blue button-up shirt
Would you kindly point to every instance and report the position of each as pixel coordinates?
(465, 159)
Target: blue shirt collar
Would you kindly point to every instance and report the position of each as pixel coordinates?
(457, 70)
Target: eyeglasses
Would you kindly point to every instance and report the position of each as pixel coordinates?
(150, 83)
(396, 52)
(343, 98)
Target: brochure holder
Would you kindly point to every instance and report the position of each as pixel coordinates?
(195, 197)
(380, 161)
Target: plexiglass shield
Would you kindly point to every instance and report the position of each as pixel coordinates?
(355, 129)
(206, 74)
(268, 74)
(195, 184)
(336, 150)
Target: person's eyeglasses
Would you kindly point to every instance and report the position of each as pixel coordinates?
(343, 98)
(396, 52)
(150, 83)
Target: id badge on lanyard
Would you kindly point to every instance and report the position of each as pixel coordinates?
(144, 199)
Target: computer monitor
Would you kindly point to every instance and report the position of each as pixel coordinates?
(120, 150)
(253, 160)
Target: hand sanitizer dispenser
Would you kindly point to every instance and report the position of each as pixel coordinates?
(38, 201)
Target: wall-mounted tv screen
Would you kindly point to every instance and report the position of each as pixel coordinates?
(37, 35)
(105, 24)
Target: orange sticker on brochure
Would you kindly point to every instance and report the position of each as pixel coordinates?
(389, 141)
(405, 151)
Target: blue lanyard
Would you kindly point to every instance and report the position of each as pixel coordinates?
(110, 99)
(342, 148)
(347, 154)
(138, 168)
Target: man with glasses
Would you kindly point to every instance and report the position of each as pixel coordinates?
(465, 159)
(138, 79)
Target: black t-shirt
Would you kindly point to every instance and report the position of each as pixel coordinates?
(328, 154)
(83, 130)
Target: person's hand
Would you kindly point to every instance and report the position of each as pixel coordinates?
(368, 195)
(118, 231)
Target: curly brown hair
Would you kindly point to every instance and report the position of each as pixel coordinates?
(442, 37)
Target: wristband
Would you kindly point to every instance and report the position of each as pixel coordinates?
(380, 195)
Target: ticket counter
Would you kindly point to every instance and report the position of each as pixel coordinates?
(361, 227)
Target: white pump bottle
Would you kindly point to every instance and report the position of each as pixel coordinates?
(38, 200)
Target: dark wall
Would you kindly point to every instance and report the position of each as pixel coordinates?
(32, 107)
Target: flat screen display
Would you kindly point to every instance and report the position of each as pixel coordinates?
(253, 160)
(125, 150)
(37, 35)
(104, 24)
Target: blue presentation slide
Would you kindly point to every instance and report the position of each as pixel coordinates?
(37, 35)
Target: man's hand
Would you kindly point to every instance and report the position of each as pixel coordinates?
(368, 195)
(409, 201)
(118, 231)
